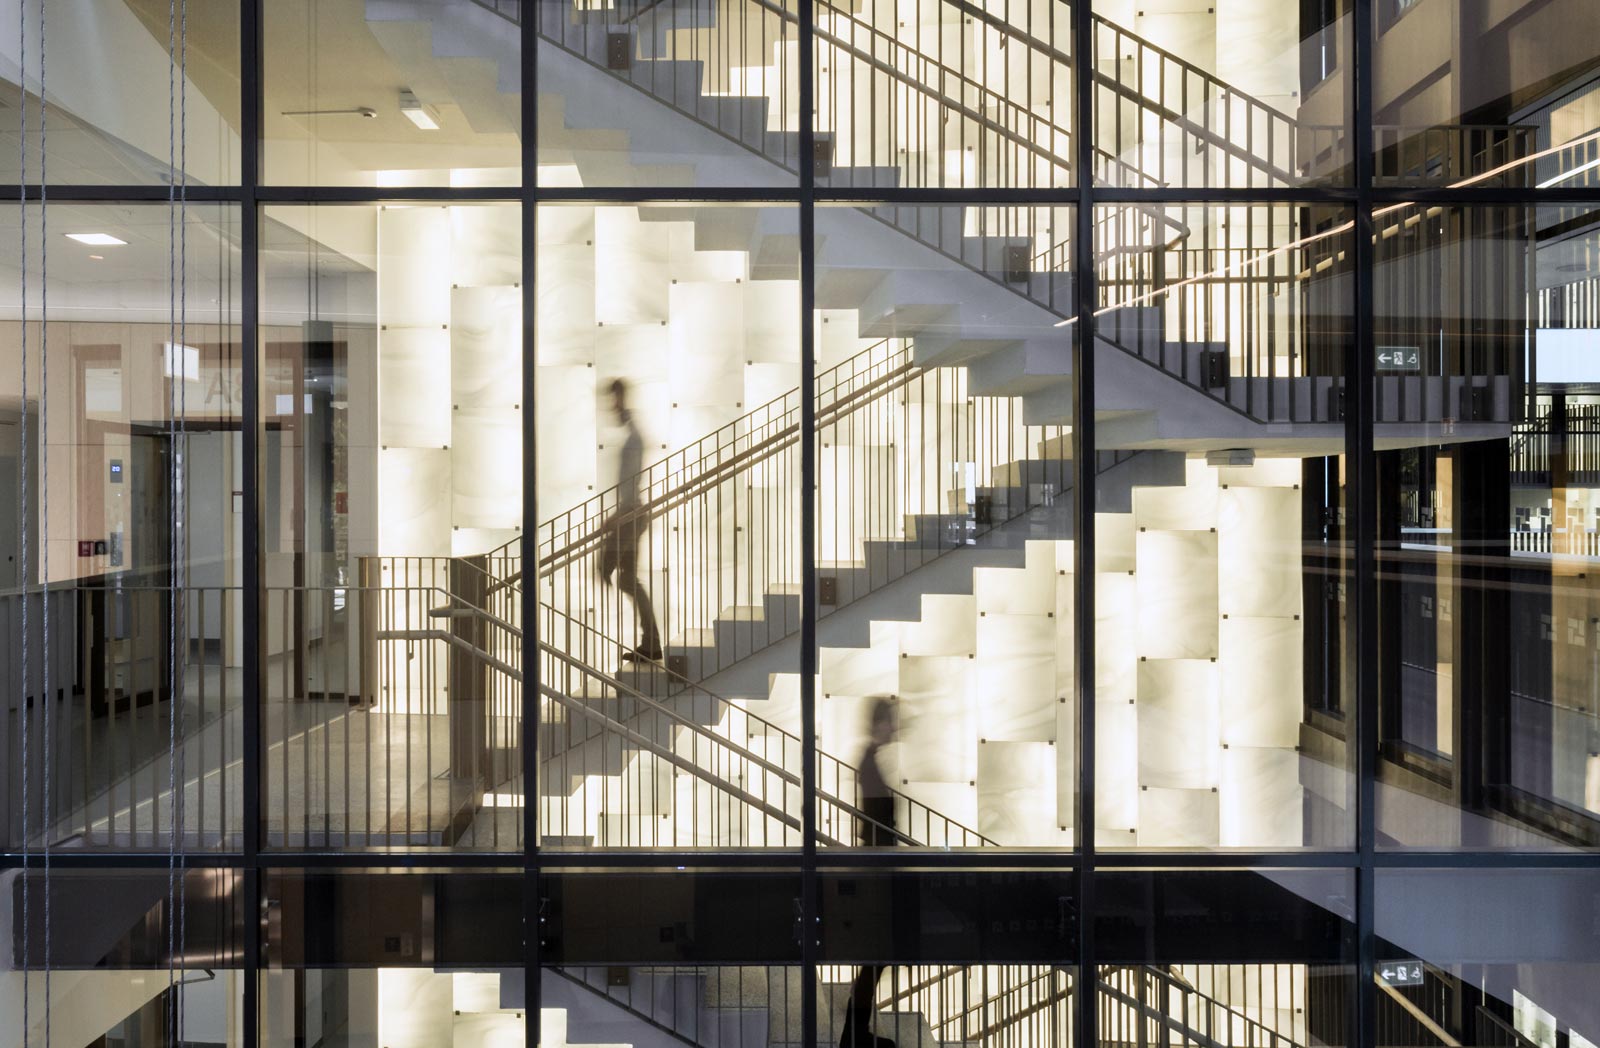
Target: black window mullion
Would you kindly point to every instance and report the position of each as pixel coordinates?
(532, 665)
(1361, 495)
(250, 112)
(1084, 1014)
(809, 894)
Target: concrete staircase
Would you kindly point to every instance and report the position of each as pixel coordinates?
(652, 101)
(1198, 694)
(930, 630)
(917, 283)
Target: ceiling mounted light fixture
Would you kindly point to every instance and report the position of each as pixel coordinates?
(365, 112)
(96, 239)
(424, 116)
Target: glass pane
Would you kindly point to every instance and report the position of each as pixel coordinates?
(668, 92)
(1223, 674)
(118, 467)
(1487, 957)
(181, 67)
(653, 957)
(1201, 958)
(124, 957)
(425, 93)
(944, 93)
(391, 354)
(926, 959)
(945, 481)
(1486, 527)
(404, 960)
(1478, 93)
(669, 563)
(1249, 95)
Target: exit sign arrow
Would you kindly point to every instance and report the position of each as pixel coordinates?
(1399, 358)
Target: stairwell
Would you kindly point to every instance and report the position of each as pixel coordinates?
(692, 61)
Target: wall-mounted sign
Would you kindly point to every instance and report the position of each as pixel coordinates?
(1401, 973)
(1399, 358)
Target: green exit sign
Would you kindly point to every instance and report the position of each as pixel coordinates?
(1399, 358)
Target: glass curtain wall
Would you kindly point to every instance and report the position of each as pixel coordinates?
(390, 480)
(795, 523)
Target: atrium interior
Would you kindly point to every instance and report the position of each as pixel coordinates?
(800, 523)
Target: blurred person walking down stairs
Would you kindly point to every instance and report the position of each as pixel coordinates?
(877, 830)
(619, 553)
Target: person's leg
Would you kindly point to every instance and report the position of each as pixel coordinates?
(859, 1010)
(628, 582)
(608, 555)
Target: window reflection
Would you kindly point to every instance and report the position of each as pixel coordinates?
(120, 446)
(391, 516)
(1485, 525)
(1484, 957)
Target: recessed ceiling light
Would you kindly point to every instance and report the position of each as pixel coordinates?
(97, 239)
(98, 258)
(424, 116)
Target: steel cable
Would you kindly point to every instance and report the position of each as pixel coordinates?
(22, 527)
(44, 500)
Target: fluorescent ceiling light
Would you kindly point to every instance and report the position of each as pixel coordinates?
(424, 116)
(365, 112)
(97, 239)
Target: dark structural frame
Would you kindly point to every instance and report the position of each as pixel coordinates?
(1079, 865)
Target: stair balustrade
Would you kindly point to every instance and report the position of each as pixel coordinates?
(1430, 154)
(1254, 307)
(943, 1006)
(1572, 304)
(103, 736)
(999, 1005)
(376, 732)
(426, 749)
(1492, 1031)
(880, 93)
(762, 752)
(1544, 445)
(1148, 1004)
(723, 513)
(1189, 128)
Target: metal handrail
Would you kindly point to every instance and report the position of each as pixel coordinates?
(1028, 1010)
(1056, 55)
(1157, 106)
(1024, 142)
(560, 556)
(511, 549)
(989, 94)
(943, 99)
(1215, 87)
(765, 727)
(568, 702)
(634, 694)
(1182, 1027)
(977, 1008)
(1412, 1009)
